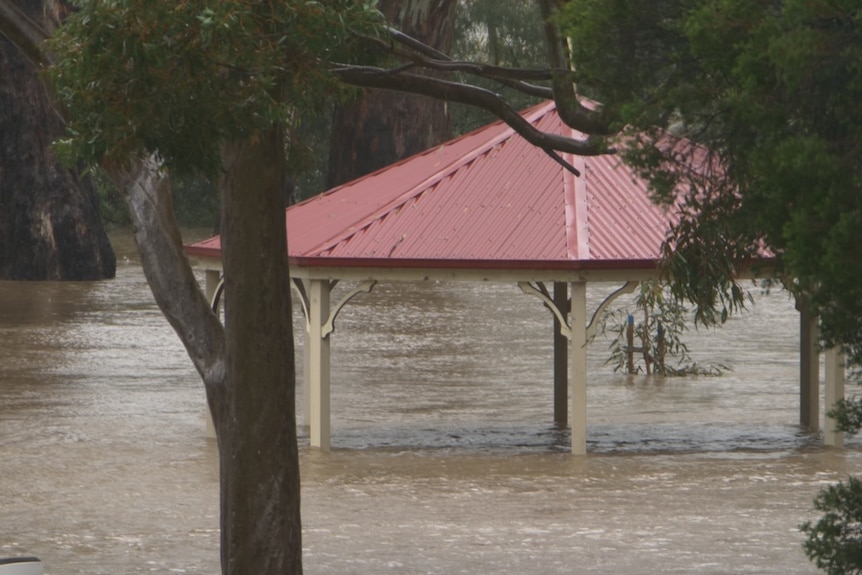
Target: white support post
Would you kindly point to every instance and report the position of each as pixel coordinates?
(834, 393)
(578, 368)
(212, 279)
(809, 372)
(318, 364)
(306, 377)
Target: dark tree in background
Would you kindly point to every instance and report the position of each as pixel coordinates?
(503, 33)
(380, 127)
(49, 216)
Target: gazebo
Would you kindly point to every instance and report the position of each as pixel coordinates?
(487, 206)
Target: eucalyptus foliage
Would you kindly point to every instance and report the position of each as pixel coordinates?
(653, 311)
(768, 92)
(835, 541)
(182, 77)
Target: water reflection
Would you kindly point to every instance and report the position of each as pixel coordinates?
(445, 459)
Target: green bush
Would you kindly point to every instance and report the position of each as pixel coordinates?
(835, 542)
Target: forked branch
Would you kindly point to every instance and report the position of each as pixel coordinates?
(373, 77)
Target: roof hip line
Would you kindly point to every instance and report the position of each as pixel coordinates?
(446, 170)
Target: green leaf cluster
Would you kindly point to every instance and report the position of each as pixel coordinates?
(835, 542)
(182, 77)
(766, 94)
(654, 310)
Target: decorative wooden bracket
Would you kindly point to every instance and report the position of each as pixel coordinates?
(541, 292)
(216, 299)
(364, 287)
(299, 287)
(629, 287)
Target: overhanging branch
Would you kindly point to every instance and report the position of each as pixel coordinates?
(372, 77)
(427, 57)
(569, 106)
(26, 34)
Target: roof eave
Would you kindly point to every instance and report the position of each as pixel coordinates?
(460, 264)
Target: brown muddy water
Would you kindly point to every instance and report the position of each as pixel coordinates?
(444, 460)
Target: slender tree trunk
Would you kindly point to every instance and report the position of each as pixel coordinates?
(249, 368)
(261, 530)
(382, 127)
(49, 216)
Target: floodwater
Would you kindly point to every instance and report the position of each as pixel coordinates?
(445, 459)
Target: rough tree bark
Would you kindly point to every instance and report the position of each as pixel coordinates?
(261, 529)
(49, 216)
(381, 127)
(249, 380)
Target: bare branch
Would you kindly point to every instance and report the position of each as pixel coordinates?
(372, 77)
(415, 44)
(560, 160)
(557, 48)
(25, 33)
(146, 190)
(515, 78)
(573, 112)
(430, 58)
(569, 105)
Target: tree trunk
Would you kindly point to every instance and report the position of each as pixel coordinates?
(248, 369)
(49, 216)
(382, 127)
(261, 530)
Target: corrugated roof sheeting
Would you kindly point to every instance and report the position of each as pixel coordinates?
(624, 223)
(487, 196)
(326, 219)
(487, 208)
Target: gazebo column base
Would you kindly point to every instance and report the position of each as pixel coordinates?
(834, 393)
(212, 283)
(317, 368)
(578, 368)
(306, 379)
(809, 372)
(561, 358)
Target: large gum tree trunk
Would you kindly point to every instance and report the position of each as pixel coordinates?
(248, 368)
(49, 217)
(256, 429)
(382, 127)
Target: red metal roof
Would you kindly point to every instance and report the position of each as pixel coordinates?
(488, 199)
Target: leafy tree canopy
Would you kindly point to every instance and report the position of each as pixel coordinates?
(835, 542)
(772, 90)
(183, 77)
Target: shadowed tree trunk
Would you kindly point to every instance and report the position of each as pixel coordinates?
(382, 127)
(256, 428)
(49, 216)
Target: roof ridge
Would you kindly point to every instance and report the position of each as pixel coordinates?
(531, 115)
(577, 209)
